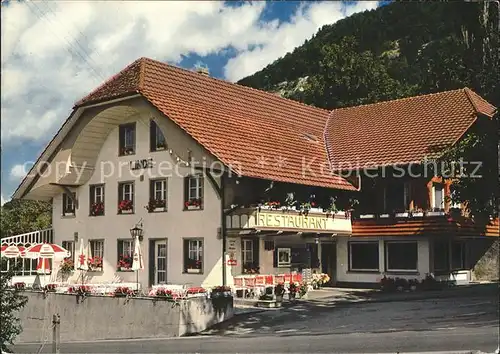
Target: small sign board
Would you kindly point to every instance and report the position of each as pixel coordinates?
(232, 262)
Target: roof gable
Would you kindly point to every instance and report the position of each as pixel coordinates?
(257, 133)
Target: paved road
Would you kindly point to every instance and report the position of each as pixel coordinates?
(466, 323)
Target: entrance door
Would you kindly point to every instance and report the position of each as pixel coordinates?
(329, 260)
(160, 266)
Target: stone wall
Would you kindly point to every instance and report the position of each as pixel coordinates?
(485, 260)
(93, 317)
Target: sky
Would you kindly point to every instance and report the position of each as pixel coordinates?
(55, 52)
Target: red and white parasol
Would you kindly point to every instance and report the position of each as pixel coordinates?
(43, 266)
(12, 251)
(47, 250)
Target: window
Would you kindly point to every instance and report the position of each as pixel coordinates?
(401, 256)
(125, 254)
(97, 250)
(247, 251)
(193, 192)
(157, 195)
(457, 255)
(156, 138)
(441, 255)
(397, 197)
(127, 139)
(364, 256)
(284, 257)
(97, 200)
(68, 204)
(438, 196)
(125, 198)
(69, 246)
(193, 256)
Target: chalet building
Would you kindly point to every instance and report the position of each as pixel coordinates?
(201, 164)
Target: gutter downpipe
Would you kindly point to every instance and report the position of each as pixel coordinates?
(223, 229)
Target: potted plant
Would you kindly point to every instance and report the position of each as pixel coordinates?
(401, 284)
(80, 290)
(124, 263)
(67, 266)
(325, 278)
(125, 207)
(413, 284)
(156, 205)
(196, 291)
(95, 264)
(193, 266)
(272, 204)
(292, 291)
(127, 151)
(164, 294)
(97, 209)
(279, 291)
(331, 209)
(50, 288)
(122, 291)
(220, 291)
(387, 284)
(19, 286)
(69, 212)
(193, 204)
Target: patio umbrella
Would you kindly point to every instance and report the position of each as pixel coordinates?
(46, 250)
(43, 266)
(12, 251)
(138, 261)
(81, 258)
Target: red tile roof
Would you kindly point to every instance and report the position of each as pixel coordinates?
(239, 125)
(401, 131)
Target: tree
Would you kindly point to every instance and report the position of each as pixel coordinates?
(347, 77)
(477, 178)
(20, 216)
(12, 301)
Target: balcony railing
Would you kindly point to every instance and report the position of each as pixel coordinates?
(30, 238)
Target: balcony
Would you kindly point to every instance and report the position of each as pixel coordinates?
(29, 238)
(289, 220)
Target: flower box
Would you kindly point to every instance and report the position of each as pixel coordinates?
(384, 216)
(402, 215)
(193, 207)
(193, 271)
(435, 213)
(418, 214)
(367, 216)
(130, 211)
(96, 269)
(124, 269)
(69, 213)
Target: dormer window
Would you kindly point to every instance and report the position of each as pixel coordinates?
(68, 207)
(156, 137)
(127, 139)
(438, 196)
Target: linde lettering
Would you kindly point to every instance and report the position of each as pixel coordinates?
(141, 164)
(291, 221)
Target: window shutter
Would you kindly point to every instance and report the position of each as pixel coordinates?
(91, 200)
(275, 257)
(186, 254)
(119, 247)
(121, 139)
(255, 250)
(120, 192)
(151, 262)
(202, 190)
(151, 189)
(152, 135)
(186, 189)
(64, 203)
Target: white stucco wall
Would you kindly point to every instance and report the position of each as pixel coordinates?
(173, 225)
(344, 275)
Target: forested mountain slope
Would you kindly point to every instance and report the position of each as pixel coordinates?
(397, 50)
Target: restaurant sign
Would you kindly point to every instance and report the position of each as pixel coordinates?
(283, 221)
